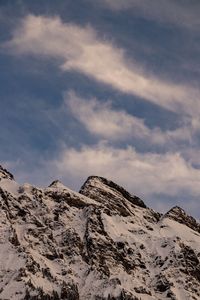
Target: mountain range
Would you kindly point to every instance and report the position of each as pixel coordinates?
(100, 243)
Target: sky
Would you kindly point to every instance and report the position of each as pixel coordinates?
(103, 87)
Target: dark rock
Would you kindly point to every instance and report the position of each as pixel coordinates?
(191, 262)
(5, 174)
(162, 284)
(69, 291)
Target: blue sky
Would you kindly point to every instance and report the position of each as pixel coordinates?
(107, 88)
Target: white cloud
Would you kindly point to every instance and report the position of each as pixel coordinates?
(144, 174)
(170, 11)
(81, 49)
(102, 120)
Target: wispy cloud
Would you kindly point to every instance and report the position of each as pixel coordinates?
(102, 120)
(180, 13)
(145, 174)
(81, 49)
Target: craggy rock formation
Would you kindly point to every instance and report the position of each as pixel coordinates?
(99, 244)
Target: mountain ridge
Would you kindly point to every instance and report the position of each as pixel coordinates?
(99, 244)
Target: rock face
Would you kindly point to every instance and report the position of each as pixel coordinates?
(102, 189)
(179, 215)
(99, 244)
(4, 174)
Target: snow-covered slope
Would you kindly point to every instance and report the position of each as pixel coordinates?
(99, 244)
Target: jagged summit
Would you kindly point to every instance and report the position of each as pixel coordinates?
(176, 211)
(103, 189)
(4, 174)
(99, 244)
(57, 184)
(178, 214)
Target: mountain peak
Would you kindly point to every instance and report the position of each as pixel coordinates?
(176, 210)
(57, 184)
(98, 187)
(5, 174)
(178, 214)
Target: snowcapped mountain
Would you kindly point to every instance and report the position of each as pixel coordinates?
(99, 244)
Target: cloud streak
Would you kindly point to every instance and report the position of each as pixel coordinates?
(102, 120)
(81, 49)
